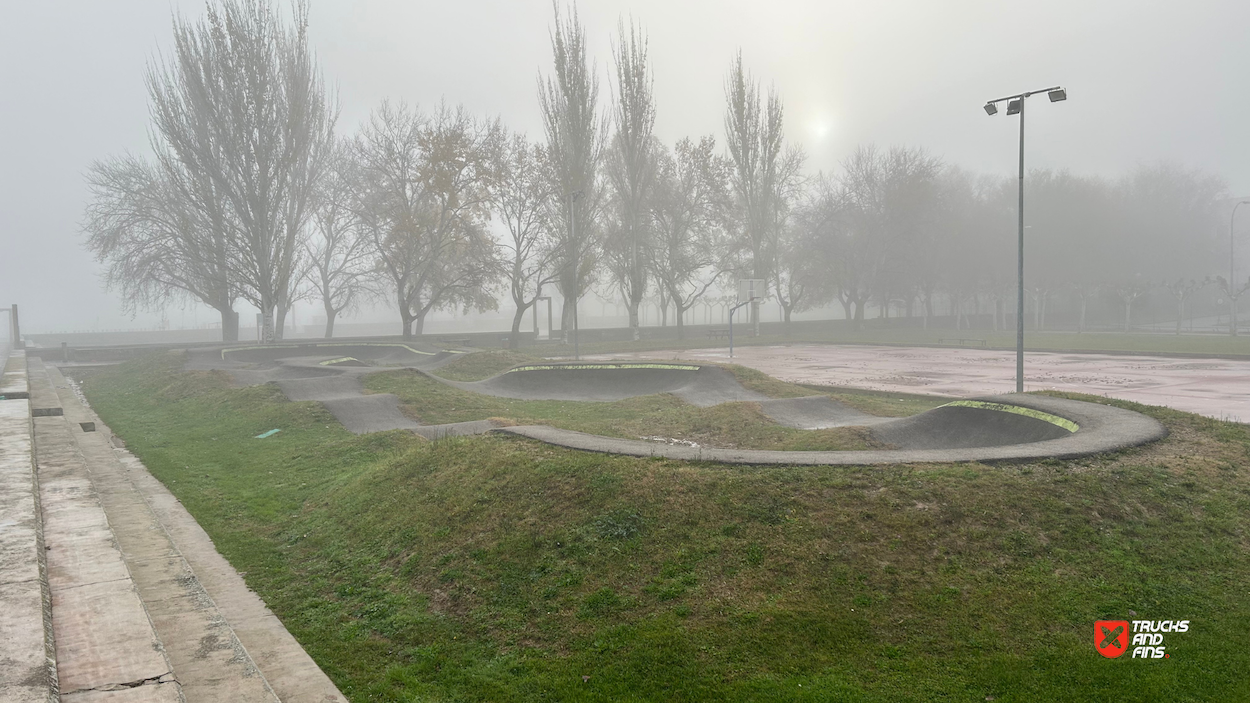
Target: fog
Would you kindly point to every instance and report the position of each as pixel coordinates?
(1147, 82)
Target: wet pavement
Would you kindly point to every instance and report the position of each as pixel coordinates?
(1218, 388)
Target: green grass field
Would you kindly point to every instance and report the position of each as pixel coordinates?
(493, 568)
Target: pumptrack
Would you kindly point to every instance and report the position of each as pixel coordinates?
(1004, 427)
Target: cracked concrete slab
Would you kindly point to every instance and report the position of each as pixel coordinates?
(27, 660)
(160, 692)
(102, 632)
(221, 640)
(207, 659)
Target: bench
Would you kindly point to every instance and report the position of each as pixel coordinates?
(963, 341)
(717, 334)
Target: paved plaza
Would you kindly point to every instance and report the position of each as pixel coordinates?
(1218, 388)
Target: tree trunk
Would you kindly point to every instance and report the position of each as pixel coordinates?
(1080, 327)
(679, 314)
(1180, 313)
(420, 323)
(566, 318)
(266, 319)
(1128, 313)
(279, 324)
(406, 318)
(633, 319)
(785, 314)
(229, 324)
(514, 338)
(331, 313)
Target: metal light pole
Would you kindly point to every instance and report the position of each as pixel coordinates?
(1232, 267)
(1015, 105)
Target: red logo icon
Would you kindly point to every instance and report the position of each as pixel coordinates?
(1111, 637)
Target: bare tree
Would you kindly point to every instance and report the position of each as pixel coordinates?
(340, 258)
(889, 203)
(423, 201)
(1183, 290)
(687, 214)
(575, 145)
(241, 103)
(762, 168)
(522, 198)
(1232, 293)
(159, 241)
(630, 171)
(1127, 292)
(799, 273)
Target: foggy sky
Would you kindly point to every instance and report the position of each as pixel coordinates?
(1146, 81)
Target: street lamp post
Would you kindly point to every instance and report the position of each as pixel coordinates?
(1015, 105)
(1232, 267)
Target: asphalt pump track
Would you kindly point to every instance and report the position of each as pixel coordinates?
(1003, 427)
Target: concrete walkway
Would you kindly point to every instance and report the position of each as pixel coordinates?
(143, 608)
(27, 656)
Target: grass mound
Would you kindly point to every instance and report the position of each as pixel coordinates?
(497, 569)
(659, 417)
(484, 364)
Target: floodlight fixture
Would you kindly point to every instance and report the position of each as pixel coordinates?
(1015, 106)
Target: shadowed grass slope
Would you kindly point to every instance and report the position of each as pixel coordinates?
(497, 569)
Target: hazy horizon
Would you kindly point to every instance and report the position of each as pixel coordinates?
(1144, 85)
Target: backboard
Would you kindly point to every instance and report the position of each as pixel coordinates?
(751, 289)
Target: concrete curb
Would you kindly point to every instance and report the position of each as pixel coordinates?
(254, 658)
(1103, 428)
(28, 664)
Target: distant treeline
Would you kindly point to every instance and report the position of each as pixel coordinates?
(252, 194)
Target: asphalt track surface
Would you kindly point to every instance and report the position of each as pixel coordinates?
(1218, 388)
(1011, 427)
(331, 373)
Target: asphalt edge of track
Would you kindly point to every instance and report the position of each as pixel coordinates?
(1104, 428)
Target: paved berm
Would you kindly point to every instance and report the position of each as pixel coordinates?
(1010, 427)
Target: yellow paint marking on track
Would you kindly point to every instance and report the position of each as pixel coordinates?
(597, 367)
(329, 362)
(327, 344)
(1016, 409)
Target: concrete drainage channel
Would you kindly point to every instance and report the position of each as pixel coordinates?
(109, 590)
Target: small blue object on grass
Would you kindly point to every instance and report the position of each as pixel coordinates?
(270, 433)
